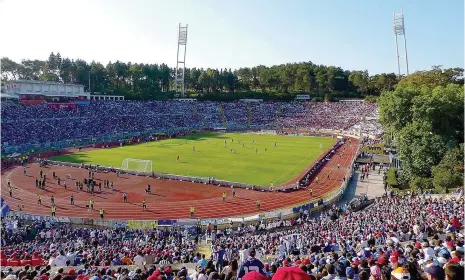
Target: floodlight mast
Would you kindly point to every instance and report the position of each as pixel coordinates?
(399, 29)
(180, 61)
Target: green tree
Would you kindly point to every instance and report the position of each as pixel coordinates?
(9, 69)
(360, 80)
(432, 78)
(449, 172)
(395, 108)
(419, 149)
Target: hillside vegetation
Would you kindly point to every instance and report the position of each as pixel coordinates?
(425, 113)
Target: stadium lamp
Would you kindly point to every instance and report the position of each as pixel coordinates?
(399, 30)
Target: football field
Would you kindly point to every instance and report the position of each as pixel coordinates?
(237, 157)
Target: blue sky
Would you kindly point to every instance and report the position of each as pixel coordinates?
(355, 35)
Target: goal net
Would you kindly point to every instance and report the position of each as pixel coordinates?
(135, 164)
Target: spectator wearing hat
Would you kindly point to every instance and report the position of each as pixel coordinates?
(434, 272)
(251, 264)
(340, 270)
(350, 273)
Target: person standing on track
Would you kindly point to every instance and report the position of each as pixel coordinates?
(101, 213)
(72, 199)
(233, 191)
(224, 196)
(24, 171)
(144, 205)
(52, 200)
(316, 179)
(39, 199)
(54, 210)
(311, 192)
(258, 204)
(125, 197)
(91, 204)
(192, 212)
(10, 191)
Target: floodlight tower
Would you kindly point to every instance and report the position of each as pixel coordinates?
(180, 61)
(399, 29)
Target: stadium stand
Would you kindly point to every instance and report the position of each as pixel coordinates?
(39, 124)
(398, 237)
(378, 242)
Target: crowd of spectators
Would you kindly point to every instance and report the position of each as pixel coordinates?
(23, 124)
(368, 127)
(397, 237)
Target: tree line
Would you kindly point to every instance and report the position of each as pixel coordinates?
(156, 81)
(424, 118)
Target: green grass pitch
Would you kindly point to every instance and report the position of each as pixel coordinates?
(250, 164)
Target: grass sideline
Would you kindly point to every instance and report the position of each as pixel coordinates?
(250, 164)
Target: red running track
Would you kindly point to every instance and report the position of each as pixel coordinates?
(169, 199)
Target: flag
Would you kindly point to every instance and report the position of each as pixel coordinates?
(5, 208)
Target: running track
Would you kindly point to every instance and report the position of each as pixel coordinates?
(169, 200)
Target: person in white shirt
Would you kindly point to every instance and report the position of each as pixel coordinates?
(139, 260)
(58, 260)
(51, 261)
(198, 274)
(71, 256)
(244, 254)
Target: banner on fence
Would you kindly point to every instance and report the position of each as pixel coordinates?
(62, 105)
(142, 224)
(286, 212)
(213, 221)
(187, 221)
(245, 219)
(166, 222)
(274, 214)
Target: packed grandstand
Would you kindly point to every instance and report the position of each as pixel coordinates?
(41, 124)
(404, 237)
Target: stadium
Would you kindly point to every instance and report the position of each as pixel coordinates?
(136, 171)
(184, 168)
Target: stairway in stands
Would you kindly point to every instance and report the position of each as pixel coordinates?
(308, 114)
(278, 113)
(223, 117)
(196, 115)
(249, 116)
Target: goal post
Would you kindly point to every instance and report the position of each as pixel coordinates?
(135, 164)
